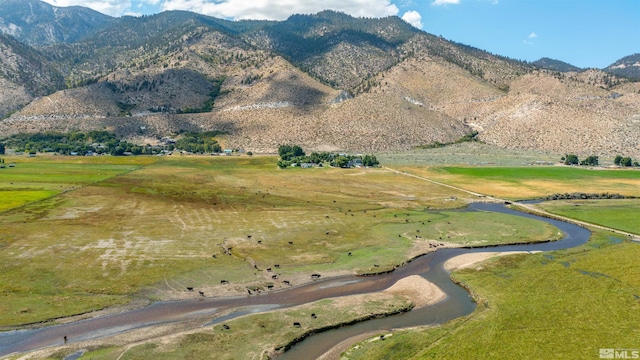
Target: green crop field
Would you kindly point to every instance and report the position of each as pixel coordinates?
(533, 181)
(562, 305)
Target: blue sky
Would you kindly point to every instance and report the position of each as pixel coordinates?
(585, 33)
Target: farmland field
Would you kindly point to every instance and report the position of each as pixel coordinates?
(148, 227)
(145, 228)
(533, 181)
(618, 214)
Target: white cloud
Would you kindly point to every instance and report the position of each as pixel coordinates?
(414, 18)
(109, 7)
(281, 9)
(532, 35)
(445, 2)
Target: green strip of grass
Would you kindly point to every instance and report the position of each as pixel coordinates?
(563, 173)
(617, 214)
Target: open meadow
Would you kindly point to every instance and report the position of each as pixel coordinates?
(105, 231)
(147, 228)
(562, 305)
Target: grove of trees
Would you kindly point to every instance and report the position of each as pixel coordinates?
(105, 142)
(293, 154)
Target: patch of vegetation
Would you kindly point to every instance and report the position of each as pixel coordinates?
(199, 142)
(125, 109)
(104, 142)
(572, 159)
(72, 143)
(471, 137)
(625, 161)
(293, 155)
(208, 104)
(617, 214)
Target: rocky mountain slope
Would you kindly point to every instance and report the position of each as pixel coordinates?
(24, 75)
(37, 23)
(628, 66)
(326, 81)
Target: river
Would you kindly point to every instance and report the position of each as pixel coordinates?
(430, 266)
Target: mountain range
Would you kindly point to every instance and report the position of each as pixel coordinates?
(326, 81)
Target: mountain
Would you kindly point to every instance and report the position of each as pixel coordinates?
(37, 23)
(628, 66)
(555, 65)
(326, 81)
(24, 75)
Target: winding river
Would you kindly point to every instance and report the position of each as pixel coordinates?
(430, 266)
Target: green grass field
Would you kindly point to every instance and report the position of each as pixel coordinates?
(533, 181)
(149, 226)
(563, 305)
(617, 214)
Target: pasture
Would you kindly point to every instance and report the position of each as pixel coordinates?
(563, 305)
(147, 228)
(618, 214)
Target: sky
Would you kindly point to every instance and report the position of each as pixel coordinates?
(584, 33)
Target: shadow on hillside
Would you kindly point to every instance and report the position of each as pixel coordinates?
(295, 92)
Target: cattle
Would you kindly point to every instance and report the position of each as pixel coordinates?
(65, 339)
(249, 291)
(259, 241)
(349, 254)
(274, 276)
(296, 324)
(277, 266)
(269, 287)
(315, 276)
(226, 327)
(290, 242)
(201, 293)
(224, 282)
(189, 288)
(287, 282)
(376, 265)
(269, 269)
(248, 236)
(313, 315)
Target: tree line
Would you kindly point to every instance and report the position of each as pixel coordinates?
(592, 160)
(105, 142)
